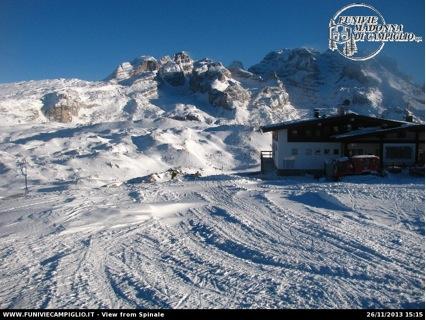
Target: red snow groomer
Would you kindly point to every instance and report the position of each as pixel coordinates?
(354, 165)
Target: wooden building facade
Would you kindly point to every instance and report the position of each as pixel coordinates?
(303, 146)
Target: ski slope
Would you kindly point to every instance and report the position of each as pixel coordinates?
(219, 241)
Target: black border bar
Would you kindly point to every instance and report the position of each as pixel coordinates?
(217, 314)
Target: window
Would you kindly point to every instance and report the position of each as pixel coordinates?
(398, 152)
(294, 152)
(318, 152)
(356, 152)
(326, 131)
(294, 132)
(402, 134)
(335, 129)
(308, 152)
(336, 152)
(317, 133)
(308, 132)
(327, 151)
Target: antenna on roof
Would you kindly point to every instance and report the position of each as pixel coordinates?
(408, 116)
(316, 113)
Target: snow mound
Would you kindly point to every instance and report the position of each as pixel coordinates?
(320, 199)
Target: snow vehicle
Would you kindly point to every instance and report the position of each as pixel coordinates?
(359, 164)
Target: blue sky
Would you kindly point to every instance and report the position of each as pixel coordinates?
(42, 39)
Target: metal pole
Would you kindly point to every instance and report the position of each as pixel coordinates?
(26, 184)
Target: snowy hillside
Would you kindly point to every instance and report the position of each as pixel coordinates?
(137, 197)
(153, 114)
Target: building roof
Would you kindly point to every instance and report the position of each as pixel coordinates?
(326, 119)
(372, 131)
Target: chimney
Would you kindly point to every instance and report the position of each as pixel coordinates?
(409, 116)
(316, 113)
(342, 110)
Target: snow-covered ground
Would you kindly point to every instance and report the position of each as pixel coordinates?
(105, 225)
(219, 241)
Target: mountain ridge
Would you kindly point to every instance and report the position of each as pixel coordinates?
(285, 84)
(151, 115)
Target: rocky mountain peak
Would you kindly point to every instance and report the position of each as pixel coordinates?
(184, 61)
(314, 79)
(296, 80)
(61, 106)
(133, 69)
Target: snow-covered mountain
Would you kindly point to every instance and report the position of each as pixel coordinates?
(152, 114)
(134, 202)
(314, 79)
(285, 84)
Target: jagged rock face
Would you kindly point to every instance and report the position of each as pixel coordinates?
(238, 71)
(123, 71)
(303, 59)
(174, 71)
(214, 79)
(204, 76)
(146, 65)
(318, 80)
(130, 107)
(272, 96)
(299, 69)
(135, 68)
(311, 79)
(207, 72)
(61, 106)
(188, 113)
(171, 73)
(184, 61)
(314, 79)
(232, 97)
(287, 63)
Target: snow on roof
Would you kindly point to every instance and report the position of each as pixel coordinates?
(285, 124)
(357, 132)
(271, 127)
(374, 130)
(364, 156)
(342, 159)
